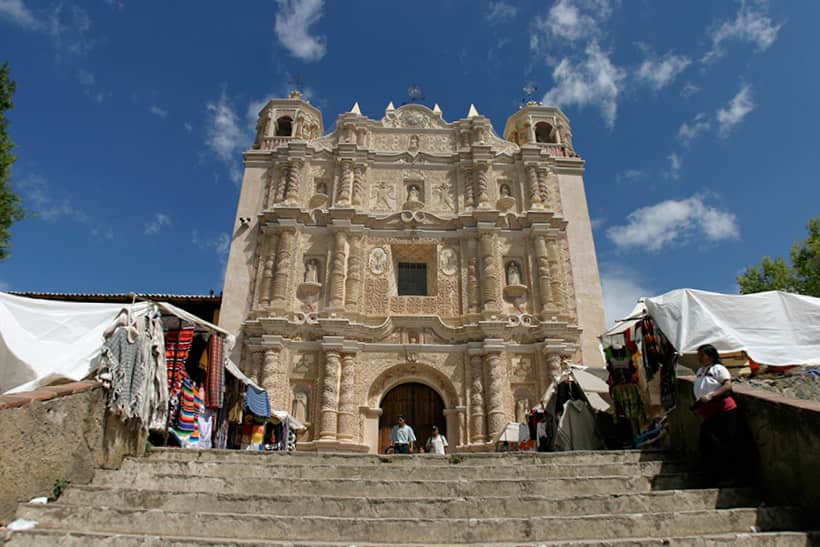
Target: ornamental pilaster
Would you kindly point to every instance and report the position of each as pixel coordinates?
(477, 428)
(543, 272)
(536, 200)
(359, 183)
(282, 182)
(345, 182)
(347, 403)
(355, 266)
(267, 269)
(271, 376)
(554, 365)
(489, 272)
(543, 188)
(329, 402)
(283, 267)
(483, 184)
(293, 178)
(556, 275)
(339, 271)
(473, 280)
(469, 188)
(496, 417)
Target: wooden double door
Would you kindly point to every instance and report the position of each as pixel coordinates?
(421, 407)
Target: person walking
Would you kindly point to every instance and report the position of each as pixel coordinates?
(403, 437)
(715, 404)
(437, 443)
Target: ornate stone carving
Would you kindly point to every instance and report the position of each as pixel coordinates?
(483, 184)
(339, 272)
(283, 265)
(469, 188)
(359, 182)
(443, 195)
(347, 401)
(378, 261)
(330, 396)
(354, 272)
(536, 201)
(375, 296)
(521, 368)
(267, 271)
(271, 377)
(489, 273)
(383, 196)
(496, 417)
(293, 181)
(448, 261)
(282, 182)
(543, 267)
(477, 429)
(555, 267)
(305, 365)
(345, 182)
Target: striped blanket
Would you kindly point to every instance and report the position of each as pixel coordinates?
(186, 427)
(216, 373)
(177, 347)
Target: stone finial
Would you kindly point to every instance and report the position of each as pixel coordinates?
(390, 107)
(355, 109)
(473, 113)
(436, 109)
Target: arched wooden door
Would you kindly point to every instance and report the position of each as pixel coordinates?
(421, 406)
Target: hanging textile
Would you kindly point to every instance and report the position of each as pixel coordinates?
(177, 347)
(186, 428)
(627, 399)
(216, 373)
(256, 400)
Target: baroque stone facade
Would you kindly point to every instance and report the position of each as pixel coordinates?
(410, 249)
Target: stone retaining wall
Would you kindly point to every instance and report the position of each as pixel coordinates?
(786, 432)
(57, 433)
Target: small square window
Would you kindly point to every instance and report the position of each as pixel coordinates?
(412, 279)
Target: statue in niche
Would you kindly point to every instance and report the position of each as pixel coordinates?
(413, 193)
(449, 261)
(443, 190)
(505, 191)
(312, 271)
(378, 261)
(414, 143)
(299, 409)
(513, 274)
(321, 188)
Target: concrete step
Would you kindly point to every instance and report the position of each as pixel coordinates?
(67, 538)
(410, 530)
(481, 458)
(136, 468)
(406, 488)
(472, 507)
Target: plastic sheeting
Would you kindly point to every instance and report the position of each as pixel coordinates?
(773, 328)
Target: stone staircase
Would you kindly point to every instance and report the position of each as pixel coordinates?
(217, 497)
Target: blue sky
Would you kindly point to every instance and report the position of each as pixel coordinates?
(698, 122)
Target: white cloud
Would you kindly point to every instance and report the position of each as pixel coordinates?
(594, 81)
(574, 20)
(749, 26)
(17, 12)
(70, 32)
(675, 164)
(292, 28)
(188, 127)
(501, 11)
(688, 132)
(658, 72)
(158, 111)
(630, 175)
(622, 288)
(674, 222)
(689, 89)
(734, 113)
(117, 5)
(220, 243)
(154, 226)
(224, 136)
(88, 82)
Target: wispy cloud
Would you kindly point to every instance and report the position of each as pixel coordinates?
(630, 175)
(155, 225)
(158, 111)
(501, 11)
(738, 108)
(224, 136)
(749, 25)
(674, 222)
(292, 28)
(658, 72)
(622, 287)
(675, 165)
(574, 20)
(688, 90)
(219, 243)
(688, 132)
(594, 81)
(117, 5)
(188, 127)
(16, 12)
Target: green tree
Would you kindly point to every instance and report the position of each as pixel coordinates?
(10, 207)
(801, 276)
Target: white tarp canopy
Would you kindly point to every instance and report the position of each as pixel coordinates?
(593, 387)
(45, 341)
(773, 328)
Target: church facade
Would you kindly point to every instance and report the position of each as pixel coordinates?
(410, 265)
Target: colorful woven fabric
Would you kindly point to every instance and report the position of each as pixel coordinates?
(256, 400)
(627, 399)
(216, 373)
(177, 347)
(186, 427)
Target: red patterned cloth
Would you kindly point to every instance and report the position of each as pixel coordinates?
(177, 347)
(215, 384)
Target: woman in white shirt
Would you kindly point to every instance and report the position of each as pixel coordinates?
(437, 443)
(715, 404)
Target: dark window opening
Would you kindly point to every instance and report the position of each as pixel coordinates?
(412, 279)
(543, 133)
(284, 127)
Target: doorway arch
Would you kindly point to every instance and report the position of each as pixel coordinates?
(421, 406)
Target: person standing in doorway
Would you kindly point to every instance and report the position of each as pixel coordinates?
(437, 443)
(403, 437)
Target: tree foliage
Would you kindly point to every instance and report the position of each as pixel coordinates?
(10, 207)
(801, 276)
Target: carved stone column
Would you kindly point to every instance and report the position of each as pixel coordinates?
(542, 185)
(339, 272)
(347, 403)
(553, 365)
(283, 267)
(345, 182)
(355, 262)
(536, 202)
(489, 272)
(483, 183)
(267, 270)
(556, 275)
(469, 188)
(359, 182)
(294, 172)
(477, 429)
(271, 377)
(543, 270)
(496, 417)
(473, 280)
(282, 185)
(328, 424)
